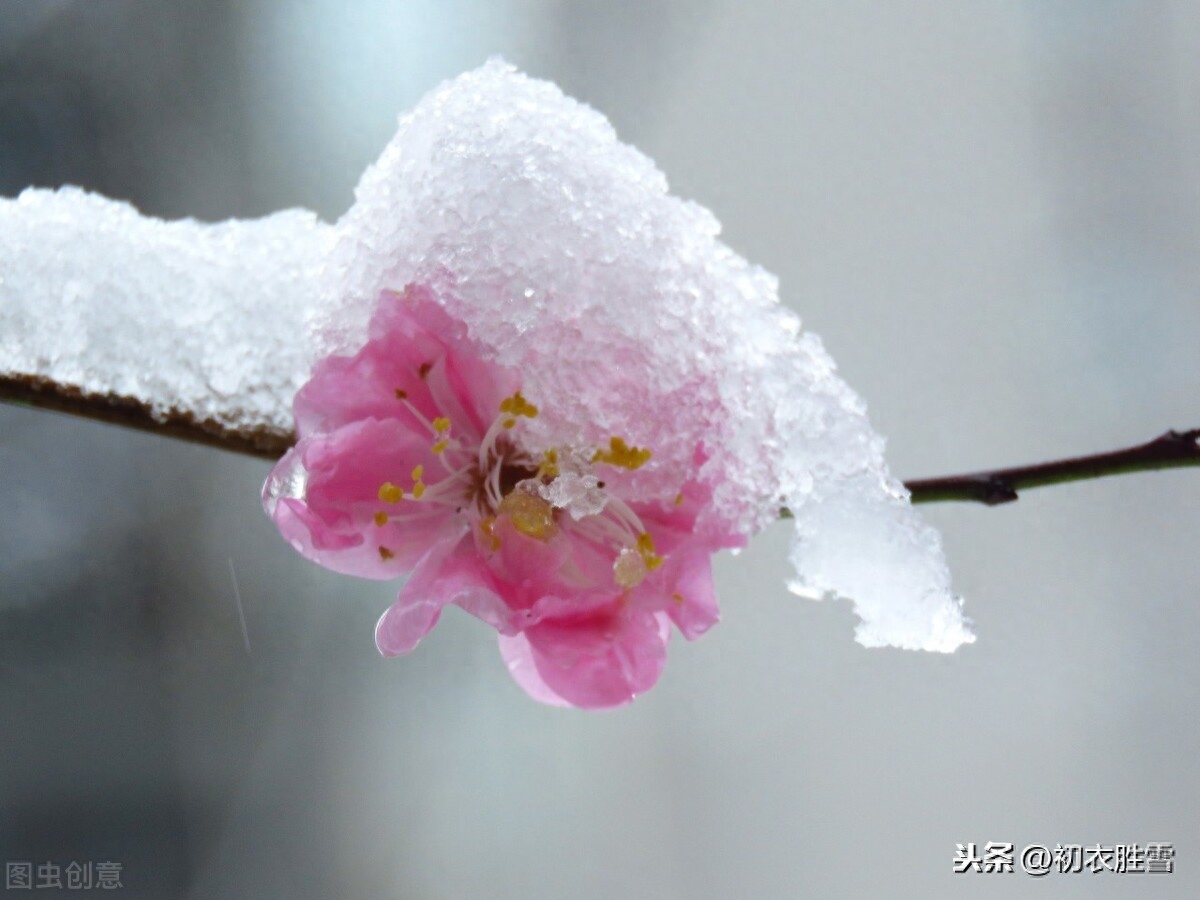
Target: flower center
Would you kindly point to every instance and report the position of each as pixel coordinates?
(539, 497)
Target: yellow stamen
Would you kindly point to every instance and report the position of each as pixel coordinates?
(621, 454)
(417, 473)
(516, 405)
(679, 499)
(390, 493)
(440, 424)
(418, 490)
(529, 514)
(381, 518)
(440, 446)
(509, 423)
(645, 545)
(549, 464)
(486, 525)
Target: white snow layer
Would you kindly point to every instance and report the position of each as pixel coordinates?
(184, 316)
(564, 253)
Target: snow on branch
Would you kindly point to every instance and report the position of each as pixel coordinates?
(567, 261)
(194, 329)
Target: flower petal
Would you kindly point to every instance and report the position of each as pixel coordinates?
(599, 662)
(417, 358)
(528, 567)
(518, 655)
(693, 598)
(446, 574)
(324, 496)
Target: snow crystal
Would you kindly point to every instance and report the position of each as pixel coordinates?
(208, 320)
(564, 253)
(580, 495)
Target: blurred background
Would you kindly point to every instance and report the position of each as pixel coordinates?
(990, 213)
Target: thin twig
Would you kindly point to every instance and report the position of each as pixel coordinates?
(1174, 449)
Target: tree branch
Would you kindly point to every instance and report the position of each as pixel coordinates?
(31, 390)
(1174, 449)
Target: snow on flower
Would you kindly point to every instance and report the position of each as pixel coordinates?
(547, 267)
(412, 460)
(549, 393)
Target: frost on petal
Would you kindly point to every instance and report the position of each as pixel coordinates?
(569, 262)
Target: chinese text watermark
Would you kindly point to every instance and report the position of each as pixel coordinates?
(26, 875)
(1154, 858)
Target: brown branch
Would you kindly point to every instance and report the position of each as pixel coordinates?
(1174, 449)
(30, 390)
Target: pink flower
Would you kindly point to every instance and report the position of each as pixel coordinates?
(410, 461)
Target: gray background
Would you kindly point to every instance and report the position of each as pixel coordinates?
(988, 210)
